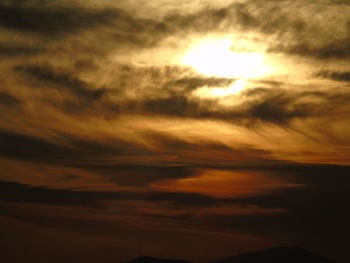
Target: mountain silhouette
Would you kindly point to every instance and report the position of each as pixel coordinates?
(156, 260)
(288, 254)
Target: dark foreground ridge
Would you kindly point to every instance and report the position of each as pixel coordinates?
(288, 254)
(156, 260)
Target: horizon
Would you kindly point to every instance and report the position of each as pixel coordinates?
(189, 129)
(280, 249)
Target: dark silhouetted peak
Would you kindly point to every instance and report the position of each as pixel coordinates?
(288, 254)
(156, 260)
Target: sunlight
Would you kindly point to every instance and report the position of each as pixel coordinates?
(215, 58)
(209, 92)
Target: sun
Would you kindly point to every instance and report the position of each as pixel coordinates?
(216, 58)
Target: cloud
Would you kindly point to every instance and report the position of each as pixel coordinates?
(94, 98)
(49, 78)
(64, 151)
(21, 146)
(79, 153)
(9, 100)
(317, 208)
(320, 182)
(339, 49)
(286, 24)
(11, 50)
(13, 192)
(192, 83)
(271, 105)
(51, 21)
(138, 175)
(335, 75)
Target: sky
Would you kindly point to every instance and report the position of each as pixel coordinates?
(171, 128)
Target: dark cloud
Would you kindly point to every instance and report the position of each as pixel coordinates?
(273, 105)
(138, 175)
(8, 50)
(191, 83)
(74, 152)
(85, 65)
(68, 177)
(13, 192)
(67, 150)
(339, 49)
(206, 153)
(184, 199)
(60, 80)
(174, 106)
(9, 100)
(26, 147)
(51, 21)
(270, 17)
(335, 75)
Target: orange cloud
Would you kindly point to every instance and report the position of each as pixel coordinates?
(225, 183)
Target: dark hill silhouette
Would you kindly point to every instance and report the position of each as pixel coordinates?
(156, 260)
(288, 254)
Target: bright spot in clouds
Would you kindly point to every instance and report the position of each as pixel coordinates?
(234, 88)
(216, 58)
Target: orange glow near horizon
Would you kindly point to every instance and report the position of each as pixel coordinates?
(224, 183)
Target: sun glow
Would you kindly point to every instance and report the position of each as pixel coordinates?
(216, 58)
(210, 92)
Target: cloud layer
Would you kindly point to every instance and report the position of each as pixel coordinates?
(113, 147)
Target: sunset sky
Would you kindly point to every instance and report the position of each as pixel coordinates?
(172, 128)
